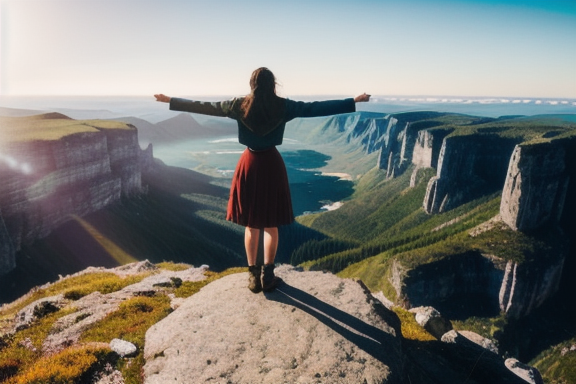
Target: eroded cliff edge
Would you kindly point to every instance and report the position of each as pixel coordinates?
(53, 167)
(520, 169)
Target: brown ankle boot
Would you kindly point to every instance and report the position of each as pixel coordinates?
(254, 282)
(269, 280)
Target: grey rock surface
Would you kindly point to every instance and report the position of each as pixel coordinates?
(123, 348)
(535, 187)
(432, 321)
(37, 310)
(526, 372)
(315, 328)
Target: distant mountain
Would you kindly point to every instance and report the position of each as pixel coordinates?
(178, 128)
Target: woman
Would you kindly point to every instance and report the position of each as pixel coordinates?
(260, 194)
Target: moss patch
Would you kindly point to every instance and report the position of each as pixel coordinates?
(411, 330)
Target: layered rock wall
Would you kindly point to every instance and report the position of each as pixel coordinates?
(45, 182)
(426, 150)
(526, 286)
(535, 187)
(468, 167)
(393, 148)
(455, 279)
(473, 280)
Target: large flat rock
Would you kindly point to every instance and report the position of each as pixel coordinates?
(315, 328)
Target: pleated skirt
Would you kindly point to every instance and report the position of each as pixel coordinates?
(260, 193)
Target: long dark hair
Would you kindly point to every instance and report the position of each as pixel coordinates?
(262, 105)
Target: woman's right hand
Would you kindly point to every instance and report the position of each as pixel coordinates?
(162, 98)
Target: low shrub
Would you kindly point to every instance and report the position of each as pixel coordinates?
(70, 366)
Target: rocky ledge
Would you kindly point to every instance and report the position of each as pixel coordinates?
(315, 328)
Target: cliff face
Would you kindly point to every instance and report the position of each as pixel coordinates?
(453, 280)
(534, 178)
(531, 161)
(426, 149)
(526, 286)
(390, 159)
(535, 187)
(495, 285)
(48, 176)
(468, 167)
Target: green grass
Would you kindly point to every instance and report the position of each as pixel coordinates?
(171, 266)
(70, 366)
(524, 130)
(74, 288)
(49, 127)
(188, 288)
(130, 322)
(557, 364)
(410, 329)
(489, 328)
(22, 350)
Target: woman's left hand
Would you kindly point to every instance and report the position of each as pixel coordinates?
(362, 98)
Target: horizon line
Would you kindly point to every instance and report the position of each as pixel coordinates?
(420, 97)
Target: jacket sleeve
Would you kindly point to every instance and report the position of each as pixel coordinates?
(318, 108)
(219, 108)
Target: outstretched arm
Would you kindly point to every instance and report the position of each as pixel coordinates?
(162, 98)
(219, 108)
(361, 98)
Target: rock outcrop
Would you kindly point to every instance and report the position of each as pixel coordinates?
(468, 167)
(391, 154)
(90, 309)
(526, 286)
(53, 167)
(515, 288)
(315, 328)
(535, 187)
(451, 281)
(460, 356)
(427, 147)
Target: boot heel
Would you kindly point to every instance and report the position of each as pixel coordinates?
(269, 280)
(254, 282)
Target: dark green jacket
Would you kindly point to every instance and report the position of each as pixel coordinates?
(273, 135)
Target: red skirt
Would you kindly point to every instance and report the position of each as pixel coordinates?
(260, 193)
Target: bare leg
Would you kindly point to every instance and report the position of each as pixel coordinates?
(270, 244)
(251, 237)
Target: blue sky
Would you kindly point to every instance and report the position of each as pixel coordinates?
(315, 47)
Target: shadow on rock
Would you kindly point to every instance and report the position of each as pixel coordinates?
(367, 337)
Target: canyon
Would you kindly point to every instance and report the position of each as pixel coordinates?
(47, 180)
(527, 161)
(53, 168)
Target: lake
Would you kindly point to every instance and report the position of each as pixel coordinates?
(311, 190)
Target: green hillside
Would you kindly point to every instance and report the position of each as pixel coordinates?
(387, 216)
